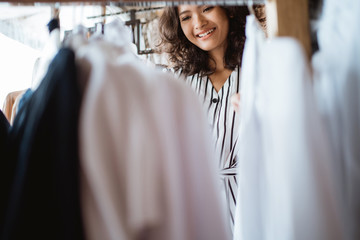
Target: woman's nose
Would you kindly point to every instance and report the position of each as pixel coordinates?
(200, 22)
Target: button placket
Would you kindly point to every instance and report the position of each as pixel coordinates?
(216, 97)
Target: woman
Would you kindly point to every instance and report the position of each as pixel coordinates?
(205, 44)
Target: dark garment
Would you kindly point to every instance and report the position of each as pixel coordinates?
(45, 197)
(53, 24)
(5, 173)
(24, 98)
(4, 128)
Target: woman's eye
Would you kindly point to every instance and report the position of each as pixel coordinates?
(185, 18)
(208, 9)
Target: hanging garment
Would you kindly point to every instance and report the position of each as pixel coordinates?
(337, 78)
(44, 199)
(24, 98)
(4, 127)
(224, 124)
(10, 103)
(151, 36)
(147, 169)
(287, 181)
(302, 194)
(49, 51)
(251, 193)
(4, 169)
(15, 106)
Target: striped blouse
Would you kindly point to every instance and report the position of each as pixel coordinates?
(224, 123)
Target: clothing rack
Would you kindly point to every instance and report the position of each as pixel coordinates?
(134, 23)
(284, 17)
(126, 12)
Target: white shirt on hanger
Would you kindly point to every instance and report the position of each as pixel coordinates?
(147, 166)
(287, 182)
(249, 209)
(337, 82)
(48, 53)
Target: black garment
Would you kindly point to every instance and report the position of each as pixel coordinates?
(5, 170)
(4, 128)
(25, 97)
(45, 198)
(53, 24)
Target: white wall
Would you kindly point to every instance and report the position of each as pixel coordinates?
(16, 66)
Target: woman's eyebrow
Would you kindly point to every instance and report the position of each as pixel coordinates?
(183, 12)
(187, 11)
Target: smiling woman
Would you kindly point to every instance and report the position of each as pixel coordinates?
(186, 54)
(205, 26)
(205, 44)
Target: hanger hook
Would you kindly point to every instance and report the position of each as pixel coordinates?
(250, 4)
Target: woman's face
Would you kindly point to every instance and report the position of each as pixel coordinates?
(206, 27)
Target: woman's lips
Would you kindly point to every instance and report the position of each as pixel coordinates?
(206, 34)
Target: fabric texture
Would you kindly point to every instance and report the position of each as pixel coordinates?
(288, 182)
(224, 123)
(5, 171)
(4, 127)
(337, 81)
(251, 196)
(301, 181)
(44, 199)
(147, 170)
(24, 98)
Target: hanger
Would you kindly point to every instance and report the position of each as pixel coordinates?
(250, 5)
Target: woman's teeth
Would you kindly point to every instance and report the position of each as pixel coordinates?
(207, 33)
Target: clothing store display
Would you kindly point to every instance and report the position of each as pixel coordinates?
(301, 180)
(42, 146)
(109, 144)
(151, 35)
(337, 81)
(224, 124)
(287, 182)
(147, 168)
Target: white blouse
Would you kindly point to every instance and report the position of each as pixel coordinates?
(147, 169)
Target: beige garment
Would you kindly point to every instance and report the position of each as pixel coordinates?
(16, 106)
(147, 170)
(10, 104)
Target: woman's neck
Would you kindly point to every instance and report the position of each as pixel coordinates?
(217, 59)
(221, 74)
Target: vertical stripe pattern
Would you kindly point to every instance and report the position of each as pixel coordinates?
(224, 123)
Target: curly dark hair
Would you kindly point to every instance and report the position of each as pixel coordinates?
(189, 58)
